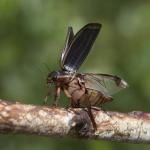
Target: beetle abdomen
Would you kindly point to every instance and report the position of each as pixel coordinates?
(97, 98)
(81, 96)
(93, 98)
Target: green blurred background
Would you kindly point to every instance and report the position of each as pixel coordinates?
(32, 34)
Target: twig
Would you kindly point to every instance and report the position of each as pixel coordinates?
(43, 120)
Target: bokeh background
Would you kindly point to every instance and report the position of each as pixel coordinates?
(32, 34)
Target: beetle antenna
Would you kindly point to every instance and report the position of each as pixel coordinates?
(46, 66)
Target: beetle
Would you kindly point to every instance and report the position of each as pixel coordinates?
(83, 89)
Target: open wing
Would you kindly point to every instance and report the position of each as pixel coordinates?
(79, 47)
(106, 84)
(68, 40)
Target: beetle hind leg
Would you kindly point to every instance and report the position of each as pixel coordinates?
(89, 111)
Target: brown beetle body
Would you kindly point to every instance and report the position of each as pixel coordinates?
(83, 90)
(74, 87)
(81, 96)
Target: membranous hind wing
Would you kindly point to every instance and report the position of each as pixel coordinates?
(78, 48)
(68, 40)
(106, 84)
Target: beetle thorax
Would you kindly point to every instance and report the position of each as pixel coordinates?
(59, 77)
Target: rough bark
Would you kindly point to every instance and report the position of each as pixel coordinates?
(43, 120)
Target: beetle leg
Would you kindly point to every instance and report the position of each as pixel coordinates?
(89, 111)
(92, 118)
(71, 104)
(67, 93)
(69, 97)
(57, 96)
(46, 97)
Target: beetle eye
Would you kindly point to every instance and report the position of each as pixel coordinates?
(52, 77)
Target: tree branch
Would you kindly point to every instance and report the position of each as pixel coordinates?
(43, 120)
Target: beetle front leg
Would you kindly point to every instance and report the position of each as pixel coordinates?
(46, 97)
(57, 96)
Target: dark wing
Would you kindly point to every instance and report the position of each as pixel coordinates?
(80, 47)
(68, 40)
(106, 84)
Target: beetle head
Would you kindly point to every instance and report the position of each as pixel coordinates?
(52, 77)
